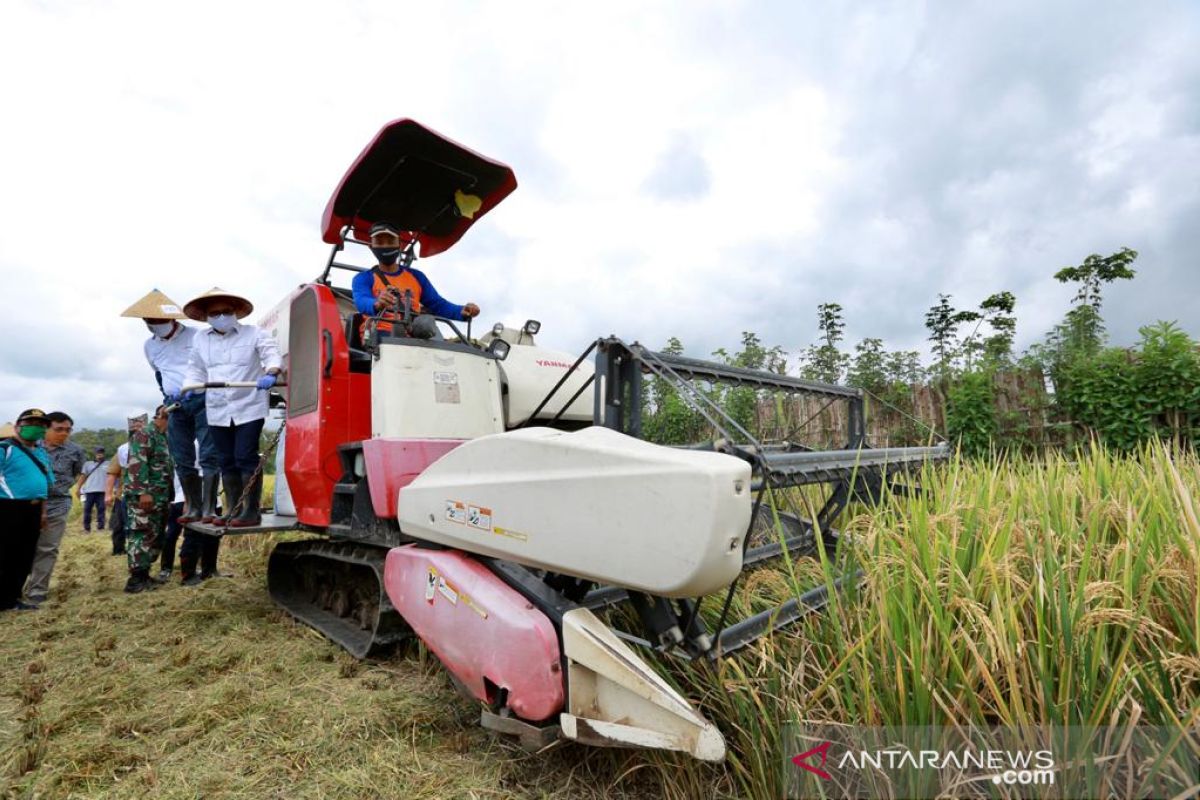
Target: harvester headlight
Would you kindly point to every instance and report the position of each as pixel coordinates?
(498, 329)
(499, 348)
(531, 327)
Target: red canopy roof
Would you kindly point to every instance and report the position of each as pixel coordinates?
(420, 181)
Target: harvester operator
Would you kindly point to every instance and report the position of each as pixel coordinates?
(382, 289)
(167, 351)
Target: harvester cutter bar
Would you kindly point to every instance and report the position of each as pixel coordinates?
(741, 633)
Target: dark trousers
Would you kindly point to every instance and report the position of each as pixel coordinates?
(187, 427)
(199, 551)
(193, 543)
(173, 527)
(93, 500)
(237, 445)
(117, 524)
(20, 526)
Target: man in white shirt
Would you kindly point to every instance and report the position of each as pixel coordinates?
(230, 351)
(91, 493)
(167, 351)
(114, 487)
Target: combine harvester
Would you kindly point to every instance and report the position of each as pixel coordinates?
(492, 497)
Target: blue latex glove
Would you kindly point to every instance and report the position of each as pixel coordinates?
(188, 395)
(171, 398)
(266, 382)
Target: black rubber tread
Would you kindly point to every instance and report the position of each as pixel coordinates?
(337, 588)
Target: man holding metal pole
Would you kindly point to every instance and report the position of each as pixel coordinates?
(236, 364)
(167, 351)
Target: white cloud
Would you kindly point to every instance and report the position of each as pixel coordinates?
(873, 155)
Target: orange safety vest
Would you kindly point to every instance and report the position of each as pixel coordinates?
(404, 281)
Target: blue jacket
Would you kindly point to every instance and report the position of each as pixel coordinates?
(20, 478)
(431, 302)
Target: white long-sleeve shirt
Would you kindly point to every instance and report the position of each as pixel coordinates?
(245, 353)
(169, 357)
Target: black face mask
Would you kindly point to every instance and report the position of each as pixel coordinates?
(386, 255)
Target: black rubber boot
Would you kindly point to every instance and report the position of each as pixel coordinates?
(208, 557)
(233, 494)
(250, 515)
(139, 581)
(187, 570)
(192, 498)
(209, 488)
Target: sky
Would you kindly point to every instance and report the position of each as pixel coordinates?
(690, 169)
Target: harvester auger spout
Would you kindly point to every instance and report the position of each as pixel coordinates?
(498, 500)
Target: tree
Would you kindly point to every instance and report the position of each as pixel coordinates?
(826, 362)
(996, 349)
(1082, 332)
(904, 367)
(741, 402)
(666, 417)
(868, 370)
(754, 355)
(942, 321)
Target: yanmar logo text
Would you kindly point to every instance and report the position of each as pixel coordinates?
(543, 362)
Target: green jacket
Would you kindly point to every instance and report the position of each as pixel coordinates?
(150, 467)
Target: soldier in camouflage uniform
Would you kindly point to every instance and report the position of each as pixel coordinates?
(149, 487)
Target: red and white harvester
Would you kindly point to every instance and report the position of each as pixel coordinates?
(494, 498)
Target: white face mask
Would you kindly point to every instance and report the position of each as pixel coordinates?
(161, 329)
(222, 323)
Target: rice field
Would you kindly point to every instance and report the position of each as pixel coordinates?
(1009, 593)
(1061, 591)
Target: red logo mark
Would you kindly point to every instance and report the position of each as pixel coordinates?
(822, 750)
(542, 362)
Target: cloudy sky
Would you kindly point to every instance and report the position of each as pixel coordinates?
(690, 169)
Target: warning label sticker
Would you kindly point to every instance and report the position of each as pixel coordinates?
(435, 584)
(479, 517)
(445, 387)
(447, 591)
(456, 512)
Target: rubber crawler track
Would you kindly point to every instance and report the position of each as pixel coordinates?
(337, 588)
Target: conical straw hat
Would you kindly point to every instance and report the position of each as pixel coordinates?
(197, 306)
(155, 305)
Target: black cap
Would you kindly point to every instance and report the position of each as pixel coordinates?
(384, 227)
(99, 449)
(33, 415)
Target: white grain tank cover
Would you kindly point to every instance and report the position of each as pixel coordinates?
(595, 504)
(426, 390)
